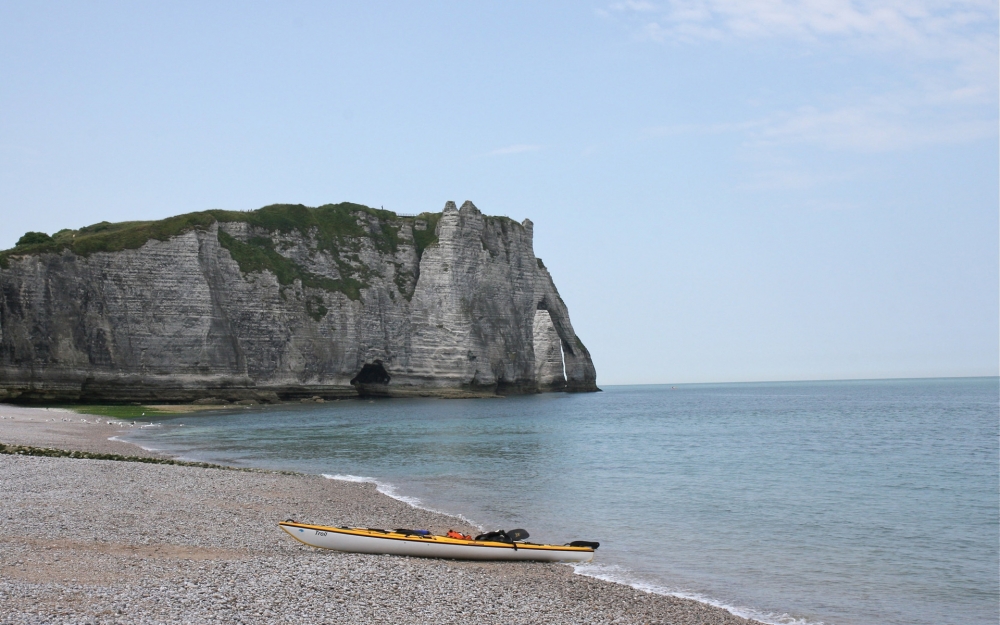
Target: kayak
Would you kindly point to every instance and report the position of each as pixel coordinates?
(425, 545)
(410, 543)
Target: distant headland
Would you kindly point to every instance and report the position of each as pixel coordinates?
(285, 303)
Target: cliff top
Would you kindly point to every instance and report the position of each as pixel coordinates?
(330, 223)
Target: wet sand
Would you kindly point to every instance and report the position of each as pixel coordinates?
(104, 541)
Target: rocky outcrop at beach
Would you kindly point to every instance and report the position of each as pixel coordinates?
(282, 303)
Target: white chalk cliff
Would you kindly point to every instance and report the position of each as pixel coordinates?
(283, 303)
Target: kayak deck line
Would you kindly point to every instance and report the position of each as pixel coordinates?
(371, 540)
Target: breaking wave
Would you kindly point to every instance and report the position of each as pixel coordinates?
(620, 575)
(390, 491)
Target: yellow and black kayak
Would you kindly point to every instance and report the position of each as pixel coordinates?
(425, 545)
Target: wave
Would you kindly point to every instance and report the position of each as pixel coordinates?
(389, 490)
(621, 575)
(118, 439)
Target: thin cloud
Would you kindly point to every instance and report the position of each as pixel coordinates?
(517, 148)
(910, 23)
(869, 129)
(639, 6)
(961, 33)
(886, 124)
(946, 50)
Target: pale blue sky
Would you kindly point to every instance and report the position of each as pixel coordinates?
(724, 191)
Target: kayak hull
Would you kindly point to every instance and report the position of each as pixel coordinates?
(358, 540)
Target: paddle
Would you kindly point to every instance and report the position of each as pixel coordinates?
(505, 537)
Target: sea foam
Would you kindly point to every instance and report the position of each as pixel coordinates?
(390, 491)
(621, 575)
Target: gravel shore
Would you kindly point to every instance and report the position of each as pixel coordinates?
(99, 541)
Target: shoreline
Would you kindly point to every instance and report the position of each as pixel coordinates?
(181, 530)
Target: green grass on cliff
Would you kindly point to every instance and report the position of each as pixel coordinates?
(109, 237)
(258, 254)
(115, 411)
(330, 224)
(425, 238)
(335, 228)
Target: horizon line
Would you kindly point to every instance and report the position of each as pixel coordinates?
(933, 377)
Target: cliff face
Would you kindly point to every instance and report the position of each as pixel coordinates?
(286, 303)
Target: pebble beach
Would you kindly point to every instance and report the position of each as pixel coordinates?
(105, 541)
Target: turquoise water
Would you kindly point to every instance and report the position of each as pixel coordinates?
(836, 502)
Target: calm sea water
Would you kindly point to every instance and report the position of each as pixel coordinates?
(857, 502)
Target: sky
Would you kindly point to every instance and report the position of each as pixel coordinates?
(723, 191)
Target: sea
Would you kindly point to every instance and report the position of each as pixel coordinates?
(847, 502)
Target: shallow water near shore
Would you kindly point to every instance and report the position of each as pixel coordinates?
(847, 503)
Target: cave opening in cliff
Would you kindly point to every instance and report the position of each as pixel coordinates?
(373, 373)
